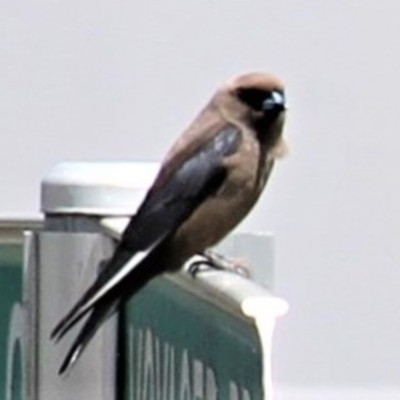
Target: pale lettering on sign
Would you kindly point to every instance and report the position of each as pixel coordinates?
(159, 371)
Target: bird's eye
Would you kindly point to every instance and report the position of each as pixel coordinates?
(262, 100)
(254, 98)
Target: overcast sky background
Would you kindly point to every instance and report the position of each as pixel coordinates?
(101, 80)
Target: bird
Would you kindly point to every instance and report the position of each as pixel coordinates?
(208, 182)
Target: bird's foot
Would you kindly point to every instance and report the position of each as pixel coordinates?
(213, 260)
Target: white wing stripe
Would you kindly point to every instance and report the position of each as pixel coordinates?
(121, 274)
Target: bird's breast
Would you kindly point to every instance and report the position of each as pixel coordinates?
(221, 212)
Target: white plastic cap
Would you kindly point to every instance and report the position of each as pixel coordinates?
(92, 188)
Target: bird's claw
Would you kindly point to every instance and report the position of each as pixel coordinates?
(212, 260)
(198, 266)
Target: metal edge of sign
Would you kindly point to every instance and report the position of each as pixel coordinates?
(30, 301)
(12, 228)
(234, 290)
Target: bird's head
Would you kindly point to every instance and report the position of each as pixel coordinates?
(258, 99)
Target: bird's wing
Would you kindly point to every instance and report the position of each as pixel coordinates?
(160, 215)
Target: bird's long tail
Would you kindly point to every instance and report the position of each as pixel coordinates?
(120, 258)
(149, 268)
(99, 315)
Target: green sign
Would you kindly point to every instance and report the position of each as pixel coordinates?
(11, 322)
(179, 347)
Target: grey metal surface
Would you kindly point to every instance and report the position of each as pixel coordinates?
(71, 223)
(96, 188)
(30, 285)
(65, 265)
(11, 229)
